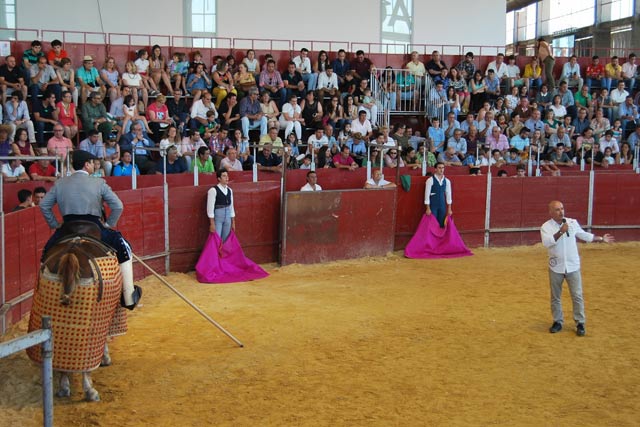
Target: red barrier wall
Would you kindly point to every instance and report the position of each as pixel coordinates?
(332, 225)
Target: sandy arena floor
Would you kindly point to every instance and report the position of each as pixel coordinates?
(370, 342)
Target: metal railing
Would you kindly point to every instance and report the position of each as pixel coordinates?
(44, 337)
(398, 91)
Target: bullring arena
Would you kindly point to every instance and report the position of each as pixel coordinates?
(346, 330)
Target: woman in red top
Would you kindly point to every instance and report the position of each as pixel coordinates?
(158, 117)
(67, 115)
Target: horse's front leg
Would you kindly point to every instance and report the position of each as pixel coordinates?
(90, 393)
(106, 359)
(65, 387)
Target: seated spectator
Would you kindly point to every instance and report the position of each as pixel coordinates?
(496, 159)
(293, 83)
(94, 116)
(88, 79)
(21, 145)
(111, 78)
(272, 139)
(44, 114)
(521, 171)
(612, 73)
(600, 124)
(244, 80)
(437, 135)
(43, 170)
(460, 146)
(512, 76)
(625, 156)
(67, 115)
(93, 144)
(303, 66)
(533, 73)
(534, 122)
(449, 157)
(634, 138)
(13, 171)
(559, 137)
(178, 68)
(392, 159)
(520, 142)
(231, 162)
(158, 69)
(317, 140)
(341, 65)
(327, 83)
(16, 115)
(571, 73)
(268, 161)
(271, 81)
(513, 157)
(67, 78)
(584, 99)
(362, 125)
(311, 111)
(467, 123)
(31, 56)
(137, 143)
(222, 82)
(485, 125)
(595, 73)
(158, 117)
(361, 67)
(229, 112)
(609, 159)
(628, 114)
(142, 64)
(203, 161)
(291, 118)
(269, 109)
(559, 157)
(125, 167)
(133, 79)
(595, 156)
(523, 109)
(496, 140)
(312, 182)
(56, 54)
(343, 160)
(608, 141)
(358, 148)
(199, 111)
(43, 77)
(198, 83)
(466, 67)
(377, 181)
(11, 79)
(174, 163)
(629, 72)
(492, 84)
(58, 144)
(25, 199)
(251, 115)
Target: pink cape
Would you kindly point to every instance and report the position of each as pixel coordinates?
(431, 241)
(226, 263)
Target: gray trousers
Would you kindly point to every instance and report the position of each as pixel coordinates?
(574, 280)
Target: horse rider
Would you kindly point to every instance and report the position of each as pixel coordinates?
(80, 197)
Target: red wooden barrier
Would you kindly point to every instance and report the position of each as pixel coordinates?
(332, 225)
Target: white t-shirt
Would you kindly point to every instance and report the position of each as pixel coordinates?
(302, 64)
(307, 187)
(133, 80)
(288, 109)
(317, 143)
(142, 64)
(379, 184)
(6, 170)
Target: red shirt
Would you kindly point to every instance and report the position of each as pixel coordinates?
(338, 159)
(595, 70)
(37, 169)
(51, 55)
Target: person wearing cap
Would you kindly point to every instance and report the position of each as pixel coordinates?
(88, 78)
(80, 197)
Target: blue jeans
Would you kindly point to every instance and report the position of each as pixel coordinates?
(254, 124)
(222, 218)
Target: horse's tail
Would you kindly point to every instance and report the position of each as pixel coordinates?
(69, 271)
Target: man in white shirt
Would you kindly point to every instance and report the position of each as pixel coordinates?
(231, 162)
(303, 66)
(312, 180)
(327, 83)
(362, 125)
(377, 181)
(559, 237)
(317, 140)
(571, 73)
(438, 195)
(618, 97)
(498, 66)
(199, 111)
(629, 70)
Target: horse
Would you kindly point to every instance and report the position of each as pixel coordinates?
(80, 287)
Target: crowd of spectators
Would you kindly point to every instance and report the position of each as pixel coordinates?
(316, 111)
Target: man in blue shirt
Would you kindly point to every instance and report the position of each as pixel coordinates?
(492, 82)
(521, 141)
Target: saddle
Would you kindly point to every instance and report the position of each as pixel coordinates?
(81, 227)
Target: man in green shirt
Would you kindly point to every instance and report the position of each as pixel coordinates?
(94, 116)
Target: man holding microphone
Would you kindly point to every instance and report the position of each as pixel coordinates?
(559, 237)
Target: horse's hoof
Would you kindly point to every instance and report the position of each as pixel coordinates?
(92, 395)
(106, 361)
(63, 393)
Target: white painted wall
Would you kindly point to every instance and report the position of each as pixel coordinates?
(481, 23)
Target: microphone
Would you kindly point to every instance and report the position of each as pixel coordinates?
(564, 221)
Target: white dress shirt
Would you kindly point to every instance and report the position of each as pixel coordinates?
(563, 253)
(427, 190)
(211, 200)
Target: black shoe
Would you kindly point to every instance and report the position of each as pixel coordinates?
(580, 330)
(556, 327)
